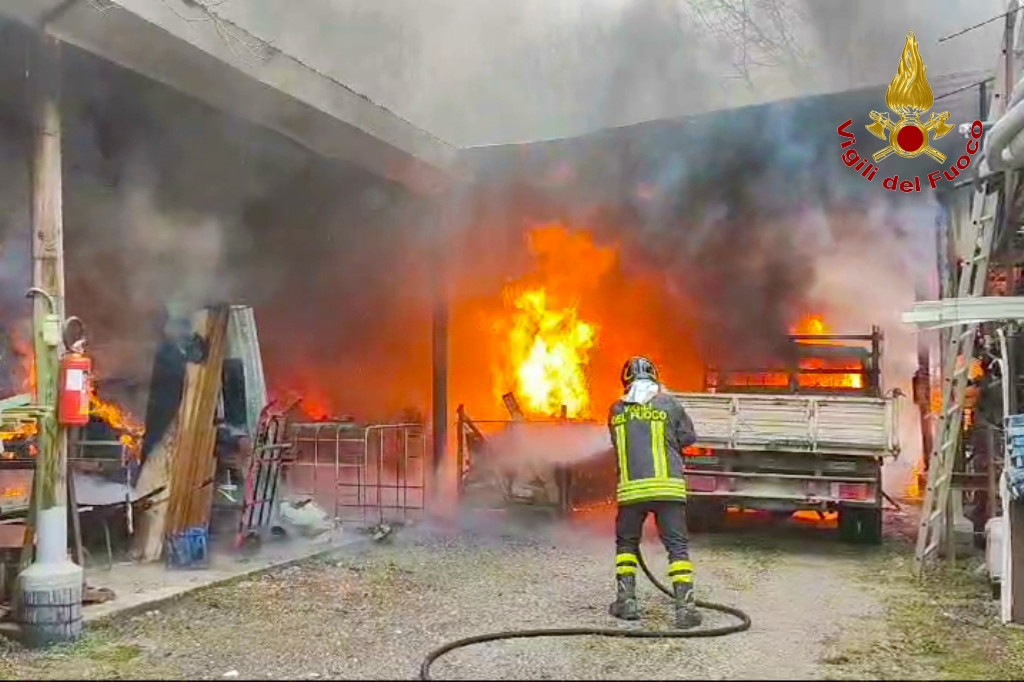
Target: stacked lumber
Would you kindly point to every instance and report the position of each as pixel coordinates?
(184, 461)
(194, 463)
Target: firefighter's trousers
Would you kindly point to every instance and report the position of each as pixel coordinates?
(670, 517)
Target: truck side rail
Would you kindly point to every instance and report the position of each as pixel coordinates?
(834, 425)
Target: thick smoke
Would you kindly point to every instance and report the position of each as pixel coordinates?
(169, 206)
(858, 42)
(499, 72)
(15, 245)
(737, 216)
(15, 266)
(749, 221)
(734, 212)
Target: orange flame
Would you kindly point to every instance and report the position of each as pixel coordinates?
(26, 430)
(547, 346)
(916, 485)
(814, 325)
(26, 358)
(130, 430)
(549, 350)
(810, 325)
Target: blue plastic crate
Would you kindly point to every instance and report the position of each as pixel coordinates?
(1014, 426)
(189, 549)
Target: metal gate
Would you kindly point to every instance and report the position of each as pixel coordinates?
(365, 474)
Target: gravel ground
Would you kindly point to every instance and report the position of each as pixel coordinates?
(374, 611)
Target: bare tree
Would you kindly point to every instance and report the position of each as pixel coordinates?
(760, 31)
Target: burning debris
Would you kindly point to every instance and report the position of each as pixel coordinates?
(831, 366)
(130, 431)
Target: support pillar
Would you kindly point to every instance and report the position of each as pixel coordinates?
(50, 589)
(439, 335)
(439, 345)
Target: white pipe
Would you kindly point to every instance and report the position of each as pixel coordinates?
(1004, 143)
(1004, 146)
(1004, 361)
(1006, 578)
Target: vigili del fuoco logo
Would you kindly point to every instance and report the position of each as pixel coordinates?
(909, 96)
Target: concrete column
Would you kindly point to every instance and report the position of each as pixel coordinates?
(439, 343)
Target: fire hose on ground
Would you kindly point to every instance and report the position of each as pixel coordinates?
(721, 631)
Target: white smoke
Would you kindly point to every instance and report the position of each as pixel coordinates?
(873, 280)
(544, 445)
(479, 73)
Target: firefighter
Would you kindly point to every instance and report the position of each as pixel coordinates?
(649, 431)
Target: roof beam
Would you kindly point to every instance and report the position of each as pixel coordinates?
(170, 41)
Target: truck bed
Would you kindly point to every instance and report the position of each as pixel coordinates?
(833, 425)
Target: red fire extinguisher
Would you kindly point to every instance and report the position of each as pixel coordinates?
(75, 389)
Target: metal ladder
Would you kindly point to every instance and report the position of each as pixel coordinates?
(936, 517)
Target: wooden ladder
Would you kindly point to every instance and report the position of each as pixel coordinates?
(936, 515)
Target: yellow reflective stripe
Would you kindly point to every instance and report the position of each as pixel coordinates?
(629, 496)
(620, 447)
(626, 563)
(681, 565)
(674, 485)
(627, 487)
(658, 449)
(670, 481)
(681, 578)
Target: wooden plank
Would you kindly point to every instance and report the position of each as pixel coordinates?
(184, 459)
(156, 472)
(195, 452)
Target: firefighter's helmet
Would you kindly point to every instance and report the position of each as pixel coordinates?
(638, 367)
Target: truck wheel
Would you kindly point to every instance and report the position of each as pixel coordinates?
(705, 516)
(860, 525)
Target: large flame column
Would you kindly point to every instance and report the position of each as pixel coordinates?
(49, 590)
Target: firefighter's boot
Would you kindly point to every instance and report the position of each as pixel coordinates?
(624, 606)
(687, 615)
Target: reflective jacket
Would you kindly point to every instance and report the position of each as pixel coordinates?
(649, 439)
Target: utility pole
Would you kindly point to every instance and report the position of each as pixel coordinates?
(50, 590)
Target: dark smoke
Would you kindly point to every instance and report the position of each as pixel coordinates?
(170, 205)
(735, 209)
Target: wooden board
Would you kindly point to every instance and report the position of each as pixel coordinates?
(184, 458)
(156, 472)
